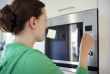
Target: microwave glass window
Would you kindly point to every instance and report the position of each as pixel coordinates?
(58, 47)
(65, 46)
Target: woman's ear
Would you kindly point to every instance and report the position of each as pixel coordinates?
(32, 22)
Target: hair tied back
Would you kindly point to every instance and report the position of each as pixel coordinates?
(7, 19)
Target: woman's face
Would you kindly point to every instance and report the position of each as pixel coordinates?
(41, 26)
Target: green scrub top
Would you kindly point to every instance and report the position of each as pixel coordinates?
(21, 59)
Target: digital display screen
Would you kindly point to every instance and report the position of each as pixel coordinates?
(88, 28)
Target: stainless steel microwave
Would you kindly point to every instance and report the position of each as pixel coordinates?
(64, 49)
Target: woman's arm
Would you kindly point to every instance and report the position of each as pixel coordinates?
(86, 44)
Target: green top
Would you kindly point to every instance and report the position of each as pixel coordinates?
(21, 59)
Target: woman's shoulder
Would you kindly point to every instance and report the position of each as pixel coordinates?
(37, 62)
(34, 55)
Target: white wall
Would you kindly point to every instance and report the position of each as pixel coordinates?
(8, 37)
(1, 36)
(4, 2)
(40, 46)
(104, 33)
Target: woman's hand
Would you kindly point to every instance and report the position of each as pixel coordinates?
(86, 44)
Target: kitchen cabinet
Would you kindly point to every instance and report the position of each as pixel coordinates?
(56, 7)
(81, 5)
(61, 7)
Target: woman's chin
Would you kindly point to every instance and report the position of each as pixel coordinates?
(40, 40)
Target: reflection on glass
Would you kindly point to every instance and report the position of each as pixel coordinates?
(74, 43)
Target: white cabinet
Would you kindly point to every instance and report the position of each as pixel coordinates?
(81, 5)
(60, 7)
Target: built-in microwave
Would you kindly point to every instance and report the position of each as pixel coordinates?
(64, 49)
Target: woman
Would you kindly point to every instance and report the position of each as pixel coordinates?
(26, 19)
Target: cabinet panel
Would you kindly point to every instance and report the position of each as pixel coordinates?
(58, 7)
(61, 7)
(81, 5)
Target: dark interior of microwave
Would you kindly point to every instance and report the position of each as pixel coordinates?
(58, 48)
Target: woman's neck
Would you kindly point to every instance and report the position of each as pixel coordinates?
(27, 40)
